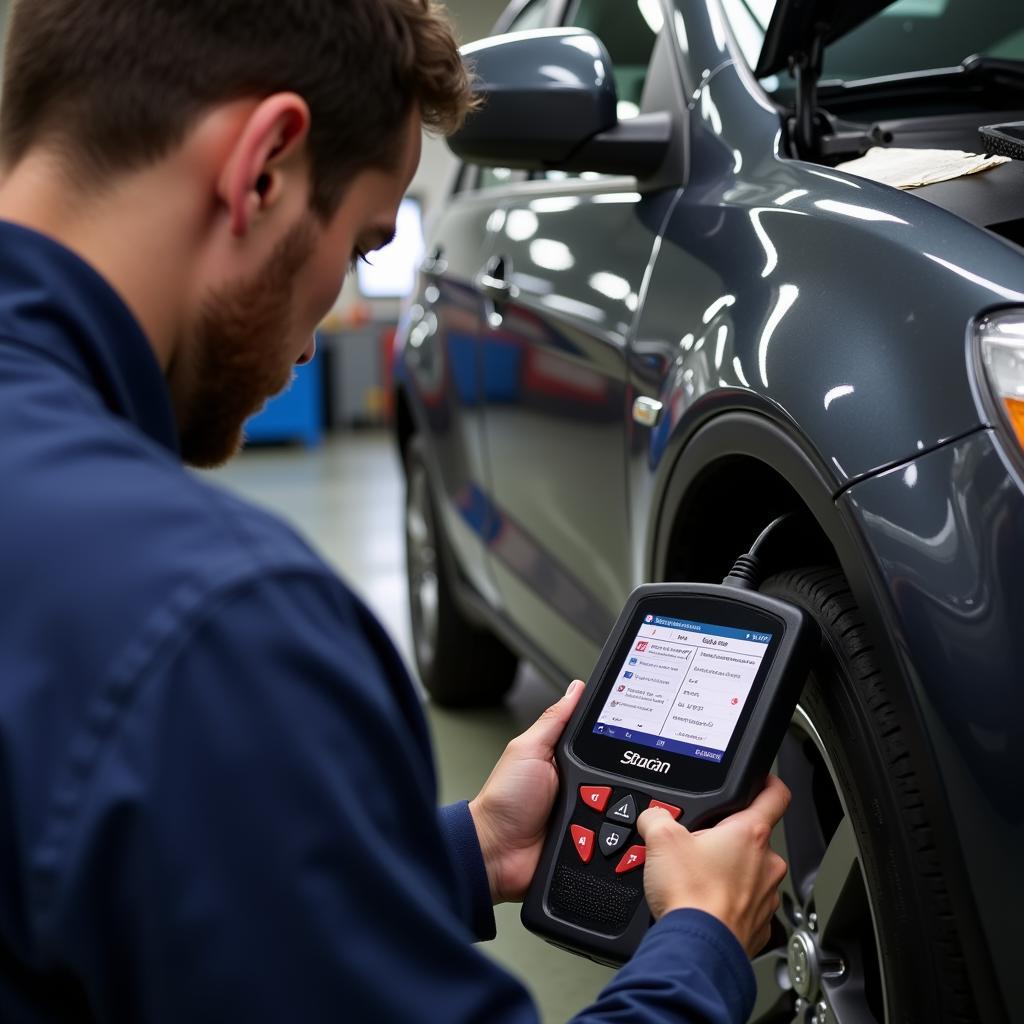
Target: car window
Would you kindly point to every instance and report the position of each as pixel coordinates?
(909, 35)
(533, 15)
(628, 30)
(749, 21)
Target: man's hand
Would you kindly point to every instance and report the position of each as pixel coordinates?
(512, 809)
(729, 871)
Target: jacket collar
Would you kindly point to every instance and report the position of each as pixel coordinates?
(53, 301)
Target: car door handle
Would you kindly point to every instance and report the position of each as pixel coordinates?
(493, 280)
(495, 288)
(435, 264)
(647, 411)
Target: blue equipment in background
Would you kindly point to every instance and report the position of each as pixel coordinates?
(295, 415)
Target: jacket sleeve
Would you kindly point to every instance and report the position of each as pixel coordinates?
(460, 834)
(689, 967)
(259, 842)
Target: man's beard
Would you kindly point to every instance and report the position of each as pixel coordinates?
(237, 358)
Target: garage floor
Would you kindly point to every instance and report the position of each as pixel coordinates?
(347, 499)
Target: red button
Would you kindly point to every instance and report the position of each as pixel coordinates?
(596, 797)
(583, 840)
(671, 808)
(632, 859)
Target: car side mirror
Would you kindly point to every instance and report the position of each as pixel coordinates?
(549, 102)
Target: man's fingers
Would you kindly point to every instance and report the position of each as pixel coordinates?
(768, 806)
(772, 801)
(540, 739)
(655, 822)
(779, 869)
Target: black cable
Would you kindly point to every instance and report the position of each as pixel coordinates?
(746, 573)
(767, 532)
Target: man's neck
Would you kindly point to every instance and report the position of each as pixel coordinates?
(132, 238)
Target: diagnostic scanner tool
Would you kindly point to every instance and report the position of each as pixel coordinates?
(686, 710)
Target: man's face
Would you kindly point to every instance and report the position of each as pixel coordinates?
(250, 334)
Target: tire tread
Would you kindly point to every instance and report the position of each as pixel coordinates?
(824, 592)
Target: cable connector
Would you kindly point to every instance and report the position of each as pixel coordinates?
(746, 573)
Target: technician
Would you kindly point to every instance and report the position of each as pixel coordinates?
(217, 802)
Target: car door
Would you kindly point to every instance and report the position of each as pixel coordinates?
(443, 349)
(562, 283)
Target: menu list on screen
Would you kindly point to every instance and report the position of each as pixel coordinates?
(683, 686)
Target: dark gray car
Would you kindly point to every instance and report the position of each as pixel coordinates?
(655, 316)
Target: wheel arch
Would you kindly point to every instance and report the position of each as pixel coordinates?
(708, 483)
(726, 481)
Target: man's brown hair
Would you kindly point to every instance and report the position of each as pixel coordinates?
(116, 84)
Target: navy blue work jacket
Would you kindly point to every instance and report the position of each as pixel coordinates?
(217, 799)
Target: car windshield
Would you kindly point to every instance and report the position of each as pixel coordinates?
(909, 35)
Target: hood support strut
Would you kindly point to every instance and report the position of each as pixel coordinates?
(806, 70)
(815, 134)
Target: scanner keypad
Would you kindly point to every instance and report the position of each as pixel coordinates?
(604, 818)
(605, 891)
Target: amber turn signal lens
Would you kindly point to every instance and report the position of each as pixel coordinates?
(1001, 340)
(1015, 412)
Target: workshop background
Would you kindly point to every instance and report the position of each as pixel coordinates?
(324, 458)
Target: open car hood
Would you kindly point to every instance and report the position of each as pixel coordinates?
(795, 23)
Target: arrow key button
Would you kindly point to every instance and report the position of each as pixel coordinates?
(623, 811)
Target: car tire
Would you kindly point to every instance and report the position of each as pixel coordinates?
(865, 933)
(460, 663)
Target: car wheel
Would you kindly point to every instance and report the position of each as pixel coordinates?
(460, 664)
(864, 933)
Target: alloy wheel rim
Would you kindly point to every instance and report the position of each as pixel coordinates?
(424, 586)
(824, 964)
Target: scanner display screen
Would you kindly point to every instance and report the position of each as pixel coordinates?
(683, 686)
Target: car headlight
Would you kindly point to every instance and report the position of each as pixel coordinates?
(1001, 347)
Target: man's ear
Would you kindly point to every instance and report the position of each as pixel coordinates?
(265, 159)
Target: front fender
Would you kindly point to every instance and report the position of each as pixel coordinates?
(838, 304)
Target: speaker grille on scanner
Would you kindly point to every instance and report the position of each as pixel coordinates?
(599, 904)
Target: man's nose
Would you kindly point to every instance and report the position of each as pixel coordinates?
(308, 353)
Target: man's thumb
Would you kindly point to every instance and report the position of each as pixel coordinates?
(547, 730)
(656, 824)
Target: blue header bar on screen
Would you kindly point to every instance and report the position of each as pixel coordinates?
(708, 628)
